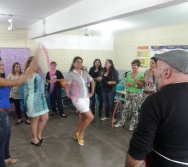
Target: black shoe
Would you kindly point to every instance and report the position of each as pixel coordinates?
(63, 115)
(26, 122)
(37, 144)
(17, 123)
(42, 140)
(52, 114)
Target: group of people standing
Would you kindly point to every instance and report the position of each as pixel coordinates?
(35, 106)
(5, 131)
(135, 82)
(162, 124)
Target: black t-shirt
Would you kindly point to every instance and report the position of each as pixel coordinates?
(94, 74)
(57, 75)
(163, 125)
(105, 85)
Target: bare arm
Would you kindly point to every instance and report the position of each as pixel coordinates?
(6, 82)
(92, 88)
(131, 162)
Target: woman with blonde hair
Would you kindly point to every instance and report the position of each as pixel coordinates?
(35, 103)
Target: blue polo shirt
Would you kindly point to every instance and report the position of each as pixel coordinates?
(4, 97)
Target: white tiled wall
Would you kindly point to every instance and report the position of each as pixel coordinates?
(63, 57)
(125, 44)
(124, 50)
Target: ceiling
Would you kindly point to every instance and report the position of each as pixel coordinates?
(169, 16)
(27, 12)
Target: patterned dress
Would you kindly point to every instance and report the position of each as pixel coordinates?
(35, 100)
(149, 84)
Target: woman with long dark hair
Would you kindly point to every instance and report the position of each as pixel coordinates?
(15, 93)
(4, 118)
(94, 72)
(109, 78)
(149, 80)
(76, 83)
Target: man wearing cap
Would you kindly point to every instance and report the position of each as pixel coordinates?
(161, 137)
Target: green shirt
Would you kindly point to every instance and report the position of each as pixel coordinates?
(131, 89)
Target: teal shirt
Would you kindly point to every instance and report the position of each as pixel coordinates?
(131, 89)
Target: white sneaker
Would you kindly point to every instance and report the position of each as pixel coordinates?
(131, 128)
(117, 125)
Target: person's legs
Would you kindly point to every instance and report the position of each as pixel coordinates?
(88, 117)
(58, 98)
(6, 134)
(7, 154)
(100, 104)
(111, 95)
(18, 109)
(34, 129)
(126, 109)
(81, 118)
(93, 104)
(136, 101)
(27, 121)
(41, 124)
(4, 137)
(53, 103)
(107, 107)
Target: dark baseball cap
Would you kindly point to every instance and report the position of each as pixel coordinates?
(177, 59)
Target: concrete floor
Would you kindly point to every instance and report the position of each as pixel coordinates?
(104, 146)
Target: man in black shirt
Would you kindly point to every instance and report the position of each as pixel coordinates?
(161, 137)
(54, 77)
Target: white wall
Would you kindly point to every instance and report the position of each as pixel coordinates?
(125, 44)
(15, 39)
(61, 48)
(82, 42)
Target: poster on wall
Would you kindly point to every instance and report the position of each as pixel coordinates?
(162, 49)
(11, 55)
(142, 55)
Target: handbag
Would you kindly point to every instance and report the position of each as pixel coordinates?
(63, 83)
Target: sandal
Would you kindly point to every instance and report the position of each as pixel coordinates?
(28, 122)
(81, 142)
(42, 140)
(76, 136)
(37, 144)
(18, 122)
(11, 161)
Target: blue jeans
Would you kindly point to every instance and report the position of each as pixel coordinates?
(108, 98)
(100, 100)
(4, 137)
(55, 97)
